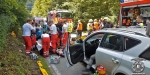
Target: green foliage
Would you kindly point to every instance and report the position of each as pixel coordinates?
(41, 7)
(12, 15)
(82, 9)
(92, 9)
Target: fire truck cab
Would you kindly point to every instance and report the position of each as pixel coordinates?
(61, 15)
(130, 9)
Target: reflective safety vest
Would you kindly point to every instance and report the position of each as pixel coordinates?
(96, 26)
(79, 26)
(89, 26)
(141, 24)
(70, 26)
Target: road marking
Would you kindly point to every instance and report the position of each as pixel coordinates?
(54, 68)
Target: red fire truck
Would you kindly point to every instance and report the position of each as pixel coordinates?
(130, 9)
(61, 15)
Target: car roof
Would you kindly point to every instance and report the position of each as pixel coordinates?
(126, 31)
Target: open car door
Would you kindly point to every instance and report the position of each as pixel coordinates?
(74, 53)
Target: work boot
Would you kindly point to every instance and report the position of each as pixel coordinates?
(86, 72)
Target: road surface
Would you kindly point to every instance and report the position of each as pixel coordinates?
(61, 68)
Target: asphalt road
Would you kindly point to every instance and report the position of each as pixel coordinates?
(61, 68)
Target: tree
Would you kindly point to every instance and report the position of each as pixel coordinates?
(82, 9)
(92, 9)
(41, 7)
(12, 15)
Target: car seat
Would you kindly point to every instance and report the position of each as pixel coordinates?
(113, 42)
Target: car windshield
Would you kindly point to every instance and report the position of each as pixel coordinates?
(65, 15)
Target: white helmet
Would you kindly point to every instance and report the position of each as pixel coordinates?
(90, 20)
(106, 18)
(79, 20)
(95, 20)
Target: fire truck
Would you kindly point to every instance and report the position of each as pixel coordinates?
(130, 9)
(59, 15)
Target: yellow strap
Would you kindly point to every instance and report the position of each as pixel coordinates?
(43, 71)
(39, 63)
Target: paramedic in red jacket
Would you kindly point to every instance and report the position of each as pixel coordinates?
(54, 36)
(45, 43)
(26, 33)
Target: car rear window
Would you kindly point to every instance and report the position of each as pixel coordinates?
(146, 54)
(130, 42)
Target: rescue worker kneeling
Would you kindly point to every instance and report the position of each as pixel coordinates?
(45, 43)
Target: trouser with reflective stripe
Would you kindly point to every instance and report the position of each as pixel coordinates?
(64, 39)
(28, 44)
(46, 46)
(54, 38)
(59, 40)
(33, 38)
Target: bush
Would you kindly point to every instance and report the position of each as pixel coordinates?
(13, 14)
(4, 25)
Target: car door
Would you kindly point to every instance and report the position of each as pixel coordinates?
(110, 52)
(74, 53)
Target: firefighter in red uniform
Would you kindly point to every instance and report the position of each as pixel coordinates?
(26, 33)
(45, 43)
(54, 35)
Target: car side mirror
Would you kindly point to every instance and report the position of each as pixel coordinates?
(79, 41)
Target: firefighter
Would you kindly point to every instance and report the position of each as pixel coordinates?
(79, 29)
(54, 35)
(101, 24)
(96, 25)
(89, 26)
(64, 34)
(26, 33)
(45, 43)
(70, 26)
(139, 20)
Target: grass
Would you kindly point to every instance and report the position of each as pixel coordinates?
(13, 60)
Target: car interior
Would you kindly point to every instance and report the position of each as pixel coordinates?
(91, 44)
(112, 42)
